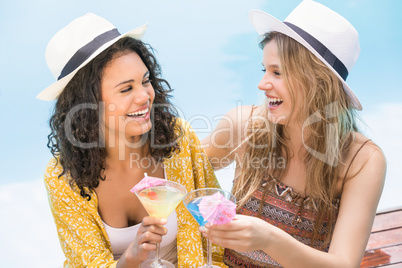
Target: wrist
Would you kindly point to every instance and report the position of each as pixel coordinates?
(126, 260)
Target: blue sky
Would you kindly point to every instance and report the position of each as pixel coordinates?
(208, 52)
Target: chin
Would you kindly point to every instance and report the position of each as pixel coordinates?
(277, 119)
(140, 130)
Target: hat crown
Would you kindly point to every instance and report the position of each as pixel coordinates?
(329, 28)
(66, 42)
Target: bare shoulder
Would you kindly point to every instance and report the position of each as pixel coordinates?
(368, 150)
(242, 113)
(365, 156)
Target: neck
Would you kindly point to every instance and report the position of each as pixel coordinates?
(124, 152)
(297, 139)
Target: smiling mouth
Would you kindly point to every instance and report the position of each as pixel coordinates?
(273, 102)
(139, 114)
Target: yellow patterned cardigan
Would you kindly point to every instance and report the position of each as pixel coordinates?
(82, 235)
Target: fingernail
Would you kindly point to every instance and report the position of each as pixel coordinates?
(208, 225)
(202, 229)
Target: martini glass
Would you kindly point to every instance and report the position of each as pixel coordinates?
(159, 201)
(192, 202)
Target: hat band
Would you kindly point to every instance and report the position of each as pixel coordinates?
(330, 58)
(86, 51)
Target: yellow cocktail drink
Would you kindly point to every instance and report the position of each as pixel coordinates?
(159, 198)
(160, 201)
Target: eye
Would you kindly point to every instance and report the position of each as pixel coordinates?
(277, 73)
(263, 68)
(127, 89)
(146, 81)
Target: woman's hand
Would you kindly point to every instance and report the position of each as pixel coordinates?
(244, 233)
(148, 235)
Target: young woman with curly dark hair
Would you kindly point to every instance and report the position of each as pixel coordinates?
(112, 123)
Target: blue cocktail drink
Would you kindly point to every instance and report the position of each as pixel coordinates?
(193, 207)
(203, 205)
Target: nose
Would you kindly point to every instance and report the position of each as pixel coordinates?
(265, 84)
(141, 95)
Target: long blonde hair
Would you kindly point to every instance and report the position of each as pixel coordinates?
(329, 121)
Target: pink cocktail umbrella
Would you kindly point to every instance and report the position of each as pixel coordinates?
(146, 182)
(217, 209)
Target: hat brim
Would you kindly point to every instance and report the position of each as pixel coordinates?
(264, 23)
(53, 91)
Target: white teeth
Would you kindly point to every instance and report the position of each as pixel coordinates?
(139, 113)
(275, 100)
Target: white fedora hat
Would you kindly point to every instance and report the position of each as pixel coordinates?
(321, 30)
(75, 45)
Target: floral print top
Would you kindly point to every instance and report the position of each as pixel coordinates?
(81, 232)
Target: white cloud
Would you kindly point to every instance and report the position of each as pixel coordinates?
(28, 234)
(225, 177)
(385, 129)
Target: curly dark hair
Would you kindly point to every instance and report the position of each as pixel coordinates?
(75, 137)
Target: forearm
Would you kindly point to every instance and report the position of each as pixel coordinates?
(126, 262)
(223, 143)
(247, 233)
(218, 163)
(219, 156)
(291, 253)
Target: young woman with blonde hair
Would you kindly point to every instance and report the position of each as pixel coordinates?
(307, 181)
